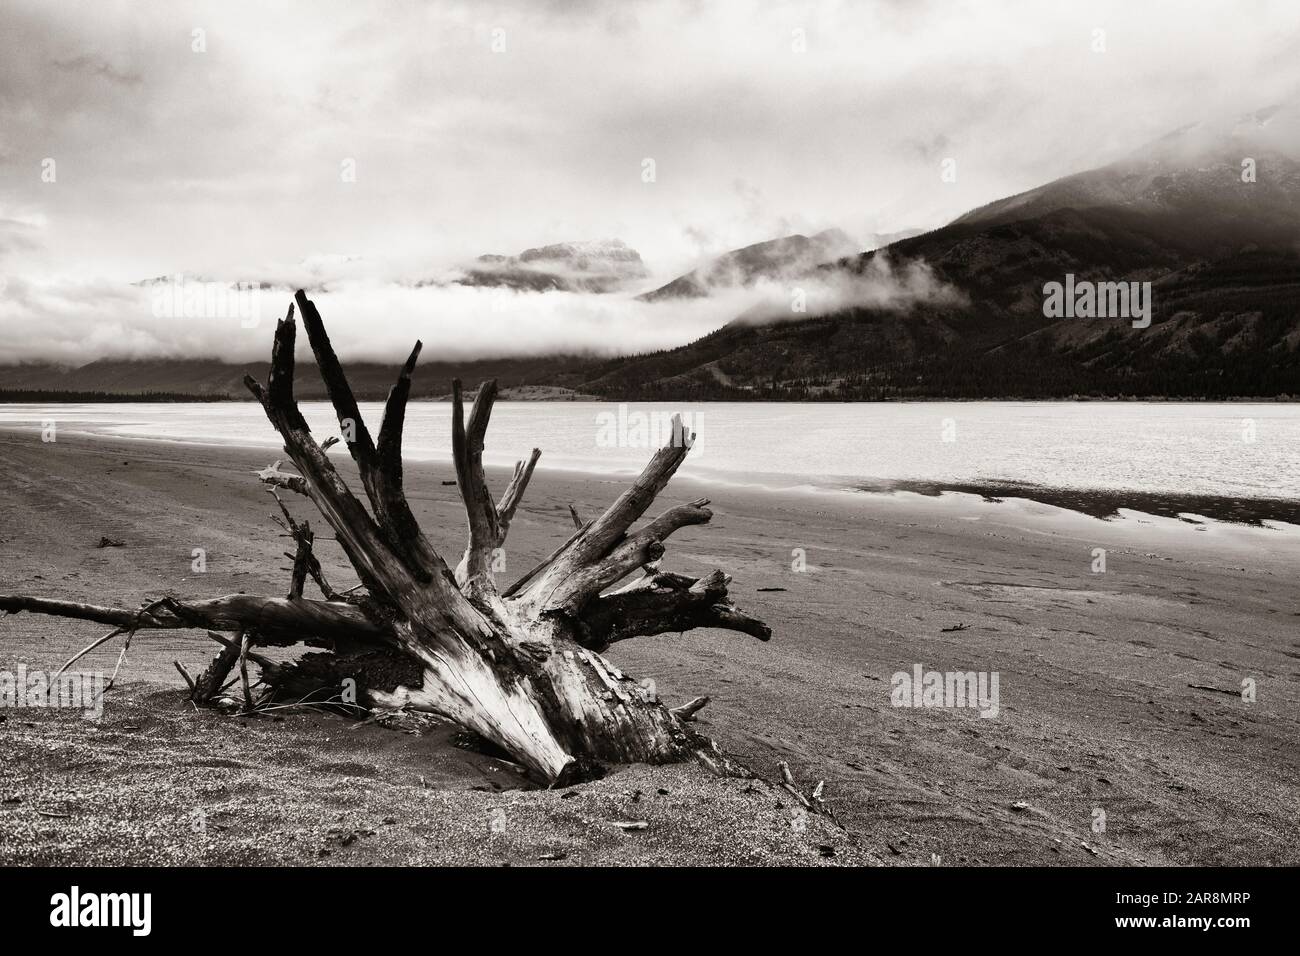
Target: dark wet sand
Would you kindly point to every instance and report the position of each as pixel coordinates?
(1098, 711)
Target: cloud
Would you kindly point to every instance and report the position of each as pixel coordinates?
(368, 320)
(373, 316)
(171, 159)
(880, 286)
(95, 66)
(19, 235)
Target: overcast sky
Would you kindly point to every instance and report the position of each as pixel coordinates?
(491, 128)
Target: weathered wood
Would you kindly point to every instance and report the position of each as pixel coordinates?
(598, 553)
(305, 563)
(514, 492)
(661, 603)
(471, 671)
(520, 667)
(273, 476)
(489, 523)
(185, 675)
(474, 573)
(245, 640)
(688, 710)
(279, 618)
(210, 682)
(788, 785)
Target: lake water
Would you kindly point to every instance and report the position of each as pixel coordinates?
(1228, 450)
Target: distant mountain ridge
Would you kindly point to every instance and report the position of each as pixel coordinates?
(1222, 253)
(1209, 215)
(598, 266)
(785, 258)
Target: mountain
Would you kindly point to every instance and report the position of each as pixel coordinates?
(1222, 254)
(878, 240)
(785, 258)
(957, 312)
(599, 266)
(1183, 178)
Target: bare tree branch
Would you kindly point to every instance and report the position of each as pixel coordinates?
(514, 493)
(288, 620)
(475, 570)
(662, 603)
(555, 587)
(357, 532)
(688, 710)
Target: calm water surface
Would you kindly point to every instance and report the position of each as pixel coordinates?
(1232, 450)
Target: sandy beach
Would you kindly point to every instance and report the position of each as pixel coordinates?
(1120, 691)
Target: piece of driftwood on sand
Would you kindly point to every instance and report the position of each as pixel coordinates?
(519, 665)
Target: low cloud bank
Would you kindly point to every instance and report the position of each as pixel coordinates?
(375, 318)
(880, 285)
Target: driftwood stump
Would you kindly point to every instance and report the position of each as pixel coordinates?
(519, 665)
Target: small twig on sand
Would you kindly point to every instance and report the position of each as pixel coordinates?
(688, 711)
(817, 800)
(130, 632)
(252, 656)
(84, 651)
(244, 642)
(121, 658)
(787, 784)
(185, 674)
(380, 715)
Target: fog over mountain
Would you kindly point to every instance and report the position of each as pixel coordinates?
(1208, 215)
(789, 257)
(525, 181)
(592, 266)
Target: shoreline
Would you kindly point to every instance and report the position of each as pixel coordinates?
(1105, 504)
